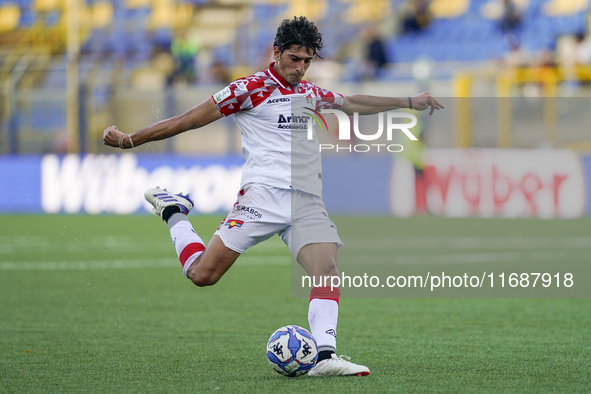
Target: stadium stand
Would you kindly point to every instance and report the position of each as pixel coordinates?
(127, 42)
(460, 31)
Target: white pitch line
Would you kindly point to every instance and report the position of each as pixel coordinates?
(346, 259)
(126, 264)
(43, 244)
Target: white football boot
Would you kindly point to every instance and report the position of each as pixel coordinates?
(161, 199)
(338, 366)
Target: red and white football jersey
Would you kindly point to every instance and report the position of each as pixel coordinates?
(272, 116)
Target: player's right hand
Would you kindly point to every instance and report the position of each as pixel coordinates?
(111, 136)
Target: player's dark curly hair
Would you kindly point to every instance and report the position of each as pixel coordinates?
(299, 31)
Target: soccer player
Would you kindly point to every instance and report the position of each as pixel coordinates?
(273, 199)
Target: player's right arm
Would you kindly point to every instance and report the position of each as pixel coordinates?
(199, 116)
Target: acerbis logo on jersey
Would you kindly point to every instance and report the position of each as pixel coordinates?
(279, 100)
(234, 223)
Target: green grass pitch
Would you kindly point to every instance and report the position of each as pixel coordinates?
(99, 304)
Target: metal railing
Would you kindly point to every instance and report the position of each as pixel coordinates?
(544, 83)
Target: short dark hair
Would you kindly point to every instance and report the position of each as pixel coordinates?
(298, 31)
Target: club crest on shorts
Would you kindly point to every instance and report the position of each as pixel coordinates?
(234, 223)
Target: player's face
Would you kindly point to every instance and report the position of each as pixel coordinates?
(293, 62)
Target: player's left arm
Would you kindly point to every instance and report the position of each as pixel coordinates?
(368, 105)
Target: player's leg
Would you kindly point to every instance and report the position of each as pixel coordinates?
(314, 241)
(320, 260)
(251, 221)
(212, 264)
(204, 266)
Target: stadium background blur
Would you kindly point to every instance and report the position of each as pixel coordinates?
(514, 74)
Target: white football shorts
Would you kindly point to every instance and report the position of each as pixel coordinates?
(299, 218)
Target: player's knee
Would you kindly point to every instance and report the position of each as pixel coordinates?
(203, 279)
(328, 267)
(331, 270)
(325, 271)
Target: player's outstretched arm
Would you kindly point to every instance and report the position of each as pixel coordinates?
(199, 116)
(368, 105)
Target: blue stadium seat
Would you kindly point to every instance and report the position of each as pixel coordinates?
(224, 54)
(266, 12)
(28, 18)
(162, 38)
(471, 37)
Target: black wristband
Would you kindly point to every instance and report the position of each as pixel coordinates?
(410, 103)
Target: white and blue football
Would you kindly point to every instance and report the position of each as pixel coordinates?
(292, 351)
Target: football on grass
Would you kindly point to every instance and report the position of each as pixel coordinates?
(292, 351)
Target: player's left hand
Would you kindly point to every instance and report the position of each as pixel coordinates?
(424, 100)
(111, 136)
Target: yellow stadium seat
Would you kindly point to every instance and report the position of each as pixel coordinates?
(102, 14)
(137, 3)
(270, 2)
(9, 17)
(565, 7)
(362, 11)
(85, 19)
(183, 15)
(163, 14)
(48, 5)
(313, 9)
(449, 8)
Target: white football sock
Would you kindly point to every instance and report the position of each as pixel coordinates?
(187, 243)
(323, 314)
